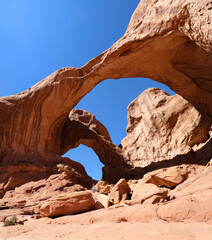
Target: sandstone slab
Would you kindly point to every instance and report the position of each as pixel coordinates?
(177, 45)
(168, 177)
(144, 191)
(66, 204)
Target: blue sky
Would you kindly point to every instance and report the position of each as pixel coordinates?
(38, 37)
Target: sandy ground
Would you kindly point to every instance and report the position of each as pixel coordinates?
(38, 230)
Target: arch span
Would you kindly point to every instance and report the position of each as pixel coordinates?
(171, 48)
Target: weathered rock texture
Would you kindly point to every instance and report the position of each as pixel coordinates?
(191, 205)
(169, 177)
(148, 191)
(104, 200)
(102, 187)
(27, 198)
(118, 231)
(168, 41)
(161, 127)
(120, 191)
(66, 204)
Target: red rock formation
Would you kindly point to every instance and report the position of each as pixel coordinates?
(66, 204)
(161, 127)
(148, 191)
(83, 128)
(120, 191)
(168, 177)
(102, 187)
(169, 42)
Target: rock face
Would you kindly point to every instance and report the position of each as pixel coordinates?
(66, 204)
(160, 127)
(104, 200)
(14, 176)
(28, 197)
(167, 41)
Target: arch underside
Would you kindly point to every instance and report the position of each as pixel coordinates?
(32, 122)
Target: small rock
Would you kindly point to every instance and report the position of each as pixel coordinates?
(104, 200)
(102, 187)
(98, 206)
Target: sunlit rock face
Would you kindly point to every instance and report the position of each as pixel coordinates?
(161, 127)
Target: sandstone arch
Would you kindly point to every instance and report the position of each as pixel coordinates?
(83, 128)
(168, 41)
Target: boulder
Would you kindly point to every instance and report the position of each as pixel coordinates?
(66, 204)
(132, 184)
(144, 191)
(161, 127)
(104, 200)
(168, 177)
(120, 191)
(102, 187)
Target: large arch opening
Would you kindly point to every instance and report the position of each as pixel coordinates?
(108, 102)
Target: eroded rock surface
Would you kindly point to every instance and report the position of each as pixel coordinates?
(169, 177)
(120, 191)
(145, 191)
(66, 204)
(102, 187)
(176, 45)
(27, 198)
(167, 41)
(83, 128)
(160, 127)
(104, 200)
